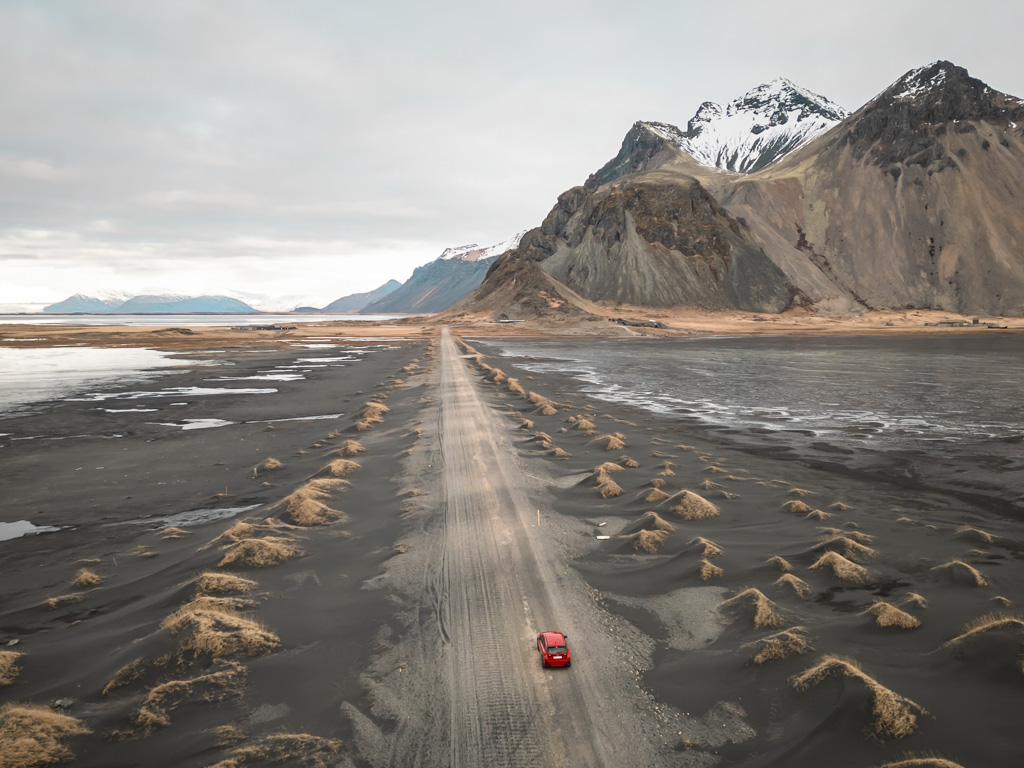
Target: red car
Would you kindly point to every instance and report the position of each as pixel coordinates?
(554, 650)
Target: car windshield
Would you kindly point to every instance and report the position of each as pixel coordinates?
(556, 649)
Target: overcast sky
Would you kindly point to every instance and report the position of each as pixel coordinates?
(317, 149)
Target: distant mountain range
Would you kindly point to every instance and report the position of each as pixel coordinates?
(782, 199)
(120, 304)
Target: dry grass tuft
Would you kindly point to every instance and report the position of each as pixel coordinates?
(606, 487)
(174, 533)
(990, 622)
(892, 715)
(766, 613)
(667, 469)
(85, 579)
(361, 426)
(583, 424)
(708, 548)
(340, 468)
(905, 521)
(967, 532)
(888, 615)
(848, 548)
(296, 749)
(711, 485)
(536, 399)
(779, 562)
(658, 482)
(800, 492)
(842, 568)
(840, 506)
(261, 553)
(349, 448)
(60, 601)
(972, 574)
(267, 465)
(628, 462)
(547, 410)
(126, 675)
(33, 735)
(912, 598)
(10, 666)
(709, 570)
(924, 761)
(818, 514)
(559, 453)
(798, 585)
(797, 507)
(609, 466)
(610, 442)
(858, 536)
(515, 387)
(374, 410)
(715, 469)
(649, 541)
(303, 508)
(215, 628)
(655, 495)
(693, 506)
(155, 709)
(1003, 601)
(526, 424)
(652, 521)
(782, 645)
(213, 583)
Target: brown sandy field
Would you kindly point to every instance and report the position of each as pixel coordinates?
(384, 614)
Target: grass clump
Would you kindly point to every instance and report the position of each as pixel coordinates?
(60, 601)
(912, 598)
(608, 466)
(126, 675)
(668, 469)
(658, 482)
(610, 442)
(261, 553)
(797, 507)
(215, 628)
(818, 514)
(841, 568)
(709, 570)
(267, 465)
(297, 749)
(708, 548)
(967, 532)
(782, 645)
(156, 707)
(649, 541)
(629, 463)
(711, 485)
(654, 496)
(213, 583)
(340, 468)
(1003, 601)
(779, 562)
(349, 448)
(970, 573)
(559, 453)
(766, 612)
(693, 506)
(888, 615)
(800, 492)
(606, 487)
(652, 521)
(85, 579)
(840, 506)
(858, 536)
(172, 532)
(583, 424)
(990, 622)
(526, 424)
(798, 585)
(847, 547)
(892, 716)
(10, 666)
(32, 735)
(924, 761)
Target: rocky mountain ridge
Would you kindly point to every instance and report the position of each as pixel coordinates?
(110, 304)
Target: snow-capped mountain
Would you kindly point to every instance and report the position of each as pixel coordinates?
(758, 128)
(98, 302)
(474, 252)
(112, 302)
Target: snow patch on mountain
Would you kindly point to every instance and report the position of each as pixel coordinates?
(474, 252)
(760, 127)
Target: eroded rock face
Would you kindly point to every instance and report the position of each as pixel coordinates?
(658, 245)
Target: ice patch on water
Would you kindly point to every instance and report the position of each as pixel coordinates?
(130, 410)
(196, 423)
(21, 528)
(193, 517)
(297, 418)
(95, 397)
(263, 377)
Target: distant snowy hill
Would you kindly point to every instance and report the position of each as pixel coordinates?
(101, 302)
(758, 128)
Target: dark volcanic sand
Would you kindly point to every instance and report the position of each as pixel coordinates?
(327, 619)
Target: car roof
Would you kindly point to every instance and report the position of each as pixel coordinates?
(553, 636)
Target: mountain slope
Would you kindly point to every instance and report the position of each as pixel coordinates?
(915, 200)
(357, 301)
(437, 285)
(160, 305)
(101, 303)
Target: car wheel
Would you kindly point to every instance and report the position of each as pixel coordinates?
(568, 663)
(543, 664)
